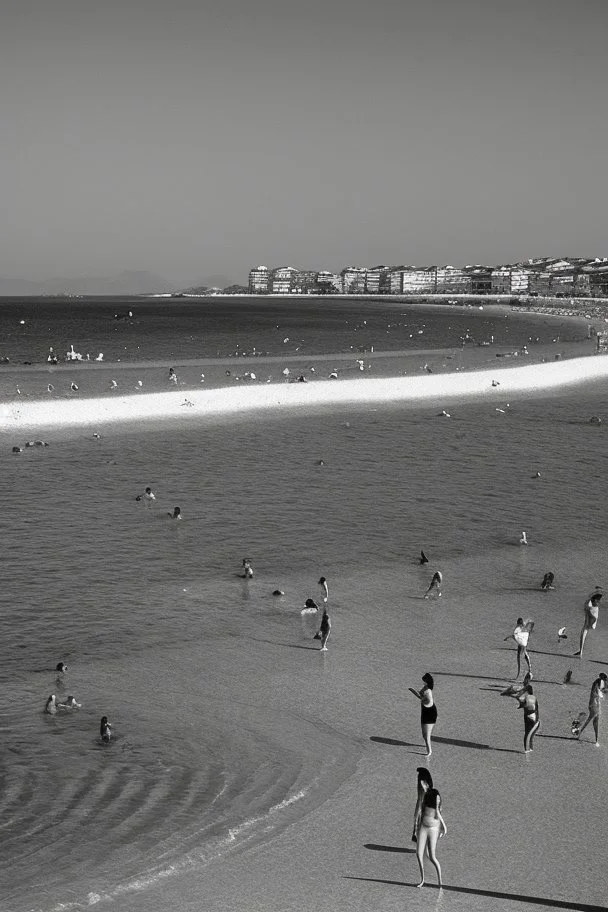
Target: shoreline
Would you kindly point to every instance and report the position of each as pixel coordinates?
(494, 384)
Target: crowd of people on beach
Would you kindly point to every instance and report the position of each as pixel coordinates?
(429, 824)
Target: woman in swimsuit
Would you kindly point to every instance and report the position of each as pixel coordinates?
(595, 707)
(324, 630)
(521, 635)
(528, 702)
(324, 588)
(431, 827)
(592, 612)
(428, 710)
(425, 782)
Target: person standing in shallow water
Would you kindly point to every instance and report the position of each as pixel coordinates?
(324, 630)
(431, 828)
(435, 586)
(428, 710)
(598, 689)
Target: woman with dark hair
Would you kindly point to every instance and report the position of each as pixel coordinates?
(428, 710)
(425, 782)
(528, 702)
(431, 827)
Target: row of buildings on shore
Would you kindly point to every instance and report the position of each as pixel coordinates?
(544, 277)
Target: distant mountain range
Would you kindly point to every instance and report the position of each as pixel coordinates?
(125, 283)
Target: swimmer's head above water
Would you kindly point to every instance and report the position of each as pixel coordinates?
(61, 667)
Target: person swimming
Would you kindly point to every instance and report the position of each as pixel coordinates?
(310, 607)
(435, 585)
(51, 705)
(70, 703)
(105, 729)
(148, 496)
(177, 513)
(247, 568)
(61, 667)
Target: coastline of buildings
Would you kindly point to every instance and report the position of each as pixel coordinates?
(571, 277)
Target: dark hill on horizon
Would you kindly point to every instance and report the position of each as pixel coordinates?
(130, 282)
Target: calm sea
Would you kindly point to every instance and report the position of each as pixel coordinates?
(209, 680)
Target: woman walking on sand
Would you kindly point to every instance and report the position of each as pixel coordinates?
(428, 710)
(521, 635)
(592, 612)
(528, 702)
(324, 630)
(596, 696)
(425, 782)
(431, 828)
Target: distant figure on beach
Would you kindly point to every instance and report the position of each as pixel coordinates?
(428, 710)
(69, 703)
(592, 612)
(523, 540)
(51, 705)
(324, 589)
(435, 585)
(521, 635)
(247, 568)
(148, 497)
(598, 689)
(105, 729)
(423, 559)
(528, 702)
(61, 667)
(425, 782)
(547, 582)
(172, 375)
(177, 513)
(432, 827)
(324, 630)
(310, 607)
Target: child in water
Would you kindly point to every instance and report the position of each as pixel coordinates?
(247, 568)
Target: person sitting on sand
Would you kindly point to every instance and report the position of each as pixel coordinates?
(547, 582)
(598, 688)
(592, 611)
(521, 635)
(247, 568)
(51, 705)
(435, 585)
(432, 827)
(177, 513)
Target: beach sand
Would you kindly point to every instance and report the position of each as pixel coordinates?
(523, 830)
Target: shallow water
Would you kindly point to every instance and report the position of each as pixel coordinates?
(222, 734)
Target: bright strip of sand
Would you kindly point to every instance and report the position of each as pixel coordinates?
(248, 396)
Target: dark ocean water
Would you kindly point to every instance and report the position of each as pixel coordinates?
(208, 678)
(171, 329)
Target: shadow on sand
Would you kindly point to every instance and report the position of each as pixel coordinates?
(494, 894)
(385, 848)
(474, 744)
(393, 742)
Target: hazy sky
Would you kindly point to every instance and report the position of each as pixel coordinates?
(187, 137)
